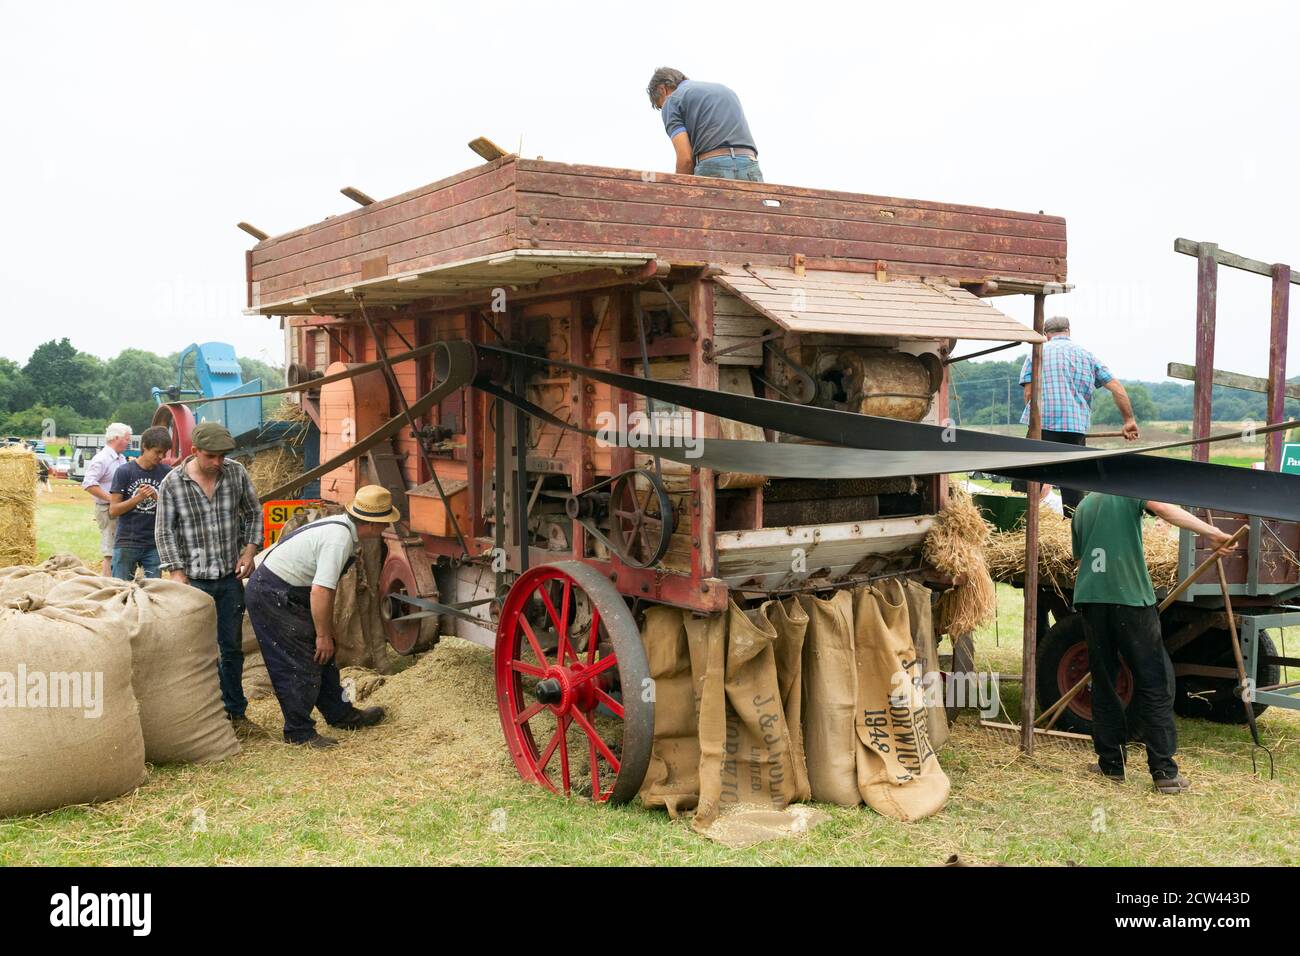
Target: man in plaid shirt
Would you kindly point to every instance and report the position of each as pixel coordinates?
(208, 526)
(1070, 376)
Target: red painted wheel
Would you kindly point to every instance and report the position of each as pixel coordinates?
(571, 672)
(1062, 662)
(405, 633)
(1072, 667)
(179, 421)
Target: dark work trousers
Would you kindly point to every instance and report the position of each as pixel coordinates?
(1070, 498)
(281, 616)
(1114, 631)
(228, 593)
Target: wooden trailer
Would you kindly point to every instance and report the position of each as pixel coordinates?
(525, 536)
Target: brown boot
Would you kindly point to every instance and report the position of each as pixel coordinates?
(1172, 785)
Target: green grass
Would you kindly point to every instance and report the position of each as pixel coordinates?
(423, 788)
(65, 522)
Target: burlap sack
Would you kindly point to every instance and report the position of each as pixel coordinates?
(920, 616)
(830, 699)
(708, 648)
(673, 778)
(898, 772)
(172, 629)
(791, 623)
(39, 578)
(359, 639)
(69, 722)
(757, 768)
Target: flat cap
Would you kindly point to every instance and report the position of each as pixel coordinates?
(1057, 323)
(212, 437)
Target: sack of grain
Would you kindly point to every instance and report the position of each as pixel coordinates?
(898, 772)
(172, 629)
(790, 621)
(920, 618)
(673, 777)
(38, 579)
(69, 722)
(830, 699)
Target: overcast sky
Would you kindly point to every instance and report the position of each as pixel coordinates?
(138, 134)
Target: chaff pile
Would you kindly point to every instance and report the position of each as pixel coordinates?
(17, 506)
(1005, 553)
(955, 546)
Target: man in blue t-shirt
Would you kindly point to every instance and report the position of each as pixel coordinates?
(707, 126)
(133, 501)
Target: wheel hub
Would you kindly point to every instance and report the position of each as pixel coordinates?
(563, 689)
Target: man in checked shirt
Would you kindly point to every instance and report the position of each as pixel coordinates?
(1070, 376)
(208, 526)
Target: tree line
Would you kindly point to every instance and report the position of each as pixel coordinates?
(81, 392)
(989, 393)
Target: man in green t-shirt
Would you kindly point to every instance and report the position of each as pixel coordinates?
(1113, 593)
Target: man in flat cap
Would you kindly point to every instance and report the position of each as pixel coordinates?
(291, 605)
(208, 526)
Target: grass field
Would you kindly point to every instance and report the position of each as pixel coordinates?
(434, 784)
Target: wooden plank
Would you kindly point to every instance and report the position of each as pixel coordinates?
(734, 245)
(773, 222)
(1249, 383)
(1189, 247)
(670, 179)
(385, 212)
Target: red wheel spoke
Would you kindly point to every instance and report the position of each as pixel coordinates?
(605, 663)
(610, 702)
(529, 712)
(593, 637)
(554, 742)
(523, 667)
(555, 619)
(566, 639)
(596, 740)
(532, 640)
(595, 772)
(564, 750)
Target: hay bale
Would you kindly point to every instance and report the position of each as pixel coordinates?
(272, 467)
(1005, 553)
(955, 546)
(17, 506)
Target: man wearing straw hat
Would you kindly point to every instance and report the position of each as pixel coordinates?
(291, 604)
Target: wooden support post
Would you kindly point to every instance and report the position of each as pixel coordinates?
(1029, 652)
(1277, 333)
(1207, 282)
(703, 494)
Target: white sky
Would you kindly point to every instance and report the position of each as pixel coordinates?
(138, 134)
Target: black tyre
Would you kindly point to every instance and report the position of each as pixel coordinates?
(1062, 661)
(1215, 698)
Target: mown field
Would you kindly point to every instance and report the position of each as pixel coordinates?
(434, 784)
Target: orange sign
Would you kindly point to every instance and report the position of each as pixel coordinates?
(276, 513)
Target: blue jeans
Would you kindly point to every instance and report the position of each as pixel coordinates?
(730, 167)
(228, 593)
(125, 560)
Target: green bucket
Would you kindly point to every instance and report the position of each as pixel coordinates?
(1004, 512)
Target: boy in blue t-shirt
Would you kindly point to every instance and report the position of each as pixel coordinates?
(133, 501)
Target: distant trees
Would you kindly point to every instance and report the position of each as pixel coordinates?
(80, 392)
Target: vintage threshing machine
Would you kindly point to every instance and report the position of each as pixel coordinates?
(546, 543)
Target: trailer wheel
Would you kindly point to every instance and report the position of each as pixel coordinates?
(1215, 698)
(1062, 661)
(580, 691)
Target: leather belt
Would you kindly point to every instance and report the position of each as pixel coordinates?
(727, 151)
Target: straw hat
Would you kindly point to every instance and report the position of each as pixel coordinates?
(373, 503)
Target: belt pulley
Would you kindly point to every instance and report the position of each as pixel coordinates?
(639, 513)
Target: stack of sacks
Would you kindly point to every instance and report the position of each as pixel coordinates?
(797, 699)
(69, 722)
(171, 629)
(36, 580)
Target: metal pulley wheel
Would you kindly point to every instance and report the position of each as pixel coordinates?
(572, 686)
(639, 511)
(179, 422)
